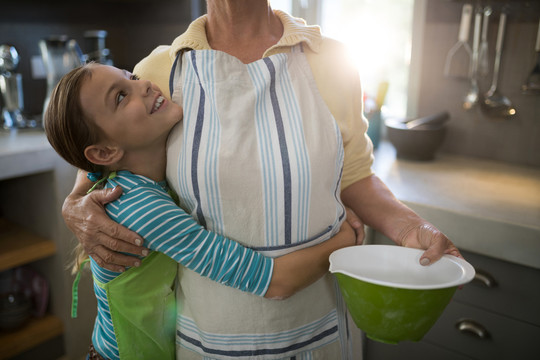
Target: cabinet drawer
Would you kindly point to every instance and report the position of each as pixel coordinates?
(506, 338)
(514, 293)
(409, 350)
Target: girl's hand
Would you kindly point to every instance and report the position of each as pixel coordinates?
(296, 270)
(357, 224)
(344, 238)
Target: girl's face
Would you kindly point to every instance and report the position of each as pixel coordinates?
(132, 113)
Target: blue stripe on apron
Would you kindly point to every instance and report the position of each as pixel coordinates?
(189, 101)
(197, 145)
(173, 75)
(211, 161)
(283, 151)
(258, 352)
(291, 108)
(268, 171)
(240, 339)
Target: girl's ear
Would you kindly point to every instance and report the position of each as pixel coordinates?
(103, 154)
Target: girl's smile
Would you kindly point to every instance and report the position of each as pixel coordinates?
(132, 113)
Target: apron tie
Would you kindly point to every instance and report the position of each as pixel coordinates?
(75, 290)
(94, 178)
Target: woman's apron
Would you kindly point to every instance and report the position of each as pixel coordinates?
(259, 159)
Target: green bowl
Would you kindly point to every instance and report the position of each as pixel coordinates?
(390, 296)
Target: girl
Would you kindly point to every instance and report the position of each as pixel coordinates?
(103, 119)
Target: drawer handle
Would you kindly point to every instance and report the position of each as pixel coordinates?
(485, 279)
(471, 327)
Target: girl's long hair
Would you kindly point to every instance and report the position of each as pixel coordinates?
(69, 130)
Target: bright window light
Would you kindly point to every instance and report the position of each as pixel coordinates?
(378, 34)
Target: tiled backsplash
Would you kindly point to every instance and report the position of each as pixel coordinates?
(515, 140)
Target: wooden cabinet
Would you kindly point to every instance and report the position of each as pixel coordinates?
(37, 331)
(33, 184)
(496, 316)
(19, 246)
(409, 350)
(504, 288)
(488, 335)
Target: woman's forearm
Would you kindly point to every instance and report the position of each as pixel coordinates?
(377, 207)
(297, 270)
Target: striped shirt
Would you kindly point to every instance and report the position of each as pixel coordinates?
(146, 208)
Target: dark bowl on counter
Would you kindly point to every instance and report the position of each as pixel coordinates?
(417, 139)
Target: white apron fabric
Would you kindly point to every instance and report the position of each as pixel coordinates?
(259, 159)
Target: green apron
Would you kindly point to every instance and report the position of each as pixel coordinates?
(143, 308)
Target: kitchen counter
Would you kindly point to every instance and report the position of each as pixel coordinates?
(483, 206)
(24, 152)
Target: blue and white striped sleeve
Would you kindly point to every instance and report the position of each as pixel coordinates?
(166, 228)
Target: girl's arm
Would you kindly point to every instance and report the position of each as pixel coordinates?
(168, 229)
(297, 270)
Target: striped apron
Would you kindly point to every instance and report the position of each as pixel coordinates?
(258, 158)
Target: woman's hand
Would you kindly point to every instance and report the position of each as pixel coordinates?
(375, 204)
(423, 235)
(102, 238)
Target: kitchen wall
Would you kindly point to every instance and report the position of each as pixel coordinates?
(135, 27)
(471, 133)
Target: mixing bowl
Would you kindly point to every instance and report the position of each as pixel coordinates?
(390, 296)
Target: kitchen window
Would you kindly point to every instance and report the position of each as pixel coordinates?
(378, 34)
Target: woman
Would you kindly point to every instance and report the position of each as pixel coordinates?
(271, 94)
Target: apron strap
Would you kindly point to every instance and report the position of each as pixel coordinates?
(299, 48)
(176, 72)
(75, 290)
(95, 176)
(176, 69)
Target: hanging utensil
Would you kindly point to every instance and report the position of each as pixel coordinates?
(461, 49)
(483, 55)
(472, 97)
(495, 104)
(532, 85)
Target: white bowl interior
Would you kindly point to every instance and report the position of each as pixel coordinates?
(399, 267)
